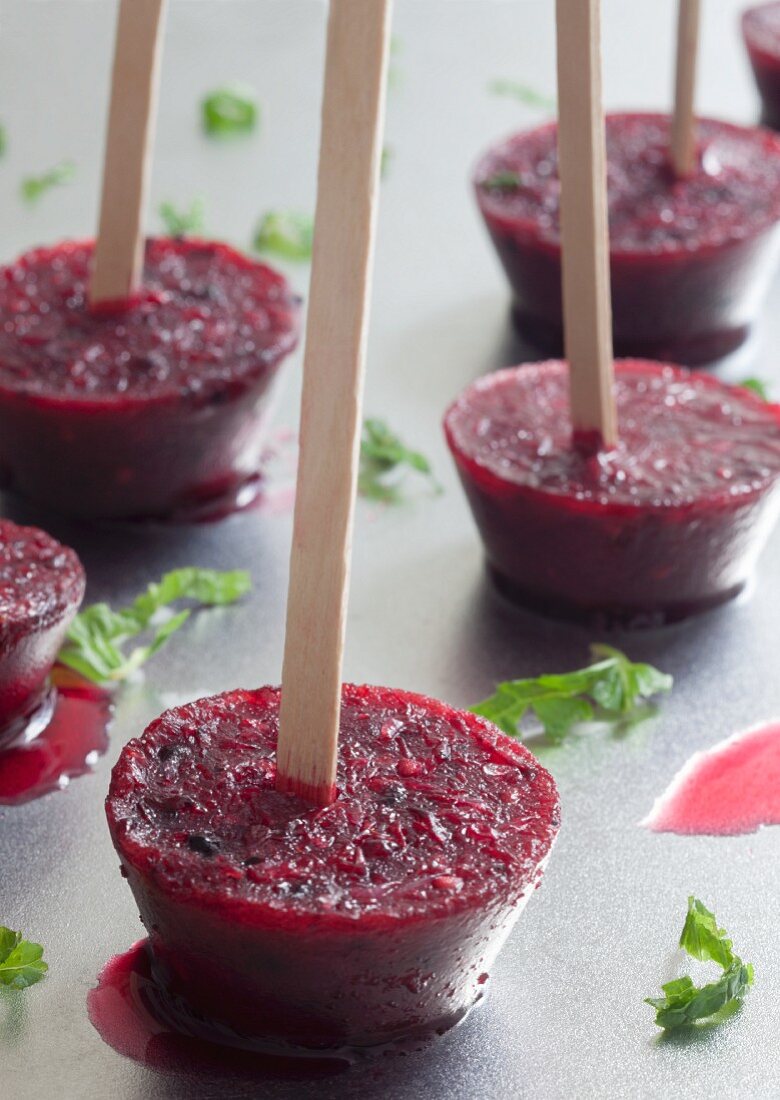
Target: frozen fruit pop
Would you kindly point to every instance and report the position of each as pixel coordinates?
(375, 918)
(148, 409)
(761, 32)
(668, 522)
(691, 259)
(41, 588)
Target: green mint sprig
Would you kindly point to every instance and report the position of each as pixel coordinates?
(613, 687)
(384, 459)
(21, 962)
(756, 385)
(95, 640)
(684, 1002)
(285, 233)
(230, 111)
(523, 93)
(33, 187)
(181, 223)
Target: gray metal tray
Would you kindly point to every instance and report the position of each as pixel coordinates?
(565, 1015)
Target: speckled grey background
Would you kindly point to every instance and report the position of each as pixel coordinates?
(565, 1016)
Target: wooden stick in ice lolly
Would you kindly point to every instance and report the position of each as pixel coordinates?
(587, 312)
(348, 186)
(118, 259)
(683, 136)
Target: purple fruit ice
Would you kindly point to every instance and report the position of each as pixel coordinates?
(691, 260)
(41, 587)
(669, 522)
(148, 409)
(370, 920)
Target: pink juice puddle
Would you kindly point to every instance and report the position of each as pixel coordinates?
(67, 746)
(135, 1016)
(728, 790)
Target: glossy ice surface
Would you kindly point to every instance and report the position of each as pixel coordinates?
(668, 522)
(398, 895)
(690, 259)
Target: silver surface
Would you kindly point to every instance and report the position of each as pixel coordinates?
(565, 1016)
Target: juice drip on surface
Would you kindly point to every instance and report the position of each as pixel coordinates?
(68, 745)
(137, 1018)
(731, 789)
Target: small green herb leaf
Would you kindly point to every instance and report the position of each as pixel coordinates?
(3, 139)
(229, 111)
(285, 233)
(613, 688)
(33, 187)
(95, 640)
(384, 459)
(387, 159)
(180, 223)
(684, 1002)
(756, 385)
(503, 181)
(523, 93)
(21, 962)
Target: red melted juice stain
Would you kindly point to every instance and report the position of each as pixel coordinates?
(68, 746)
(731, 789)
(133, 1015)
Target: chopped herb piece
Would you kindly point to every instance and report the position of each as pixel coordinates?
(95, 639)
(285, 233)
(504, 181)
(523, 93)
(612, 688)
(3, 139)
(383, 460)
(21, 962)
(684, 1002)
(35, 186)
(179, 223)
(393, 70)
(230, 110)
(756, 385)
(387, 160)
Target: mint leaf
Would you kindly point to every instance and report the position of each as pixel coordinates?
(3, 139)
(684, 1002)
(180, 223)
(611, 688)
(285, 233)
(95, 639)
(230, 111)
(503, 181)
(523, 93)
(384, 459)
(387, 159)
(33, 187)
(756, 385)
(21, 962)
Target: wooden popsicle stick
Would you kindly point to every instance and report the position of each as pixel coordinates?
(587, 311)
(683, 136)
(337, 325)
(118, 259)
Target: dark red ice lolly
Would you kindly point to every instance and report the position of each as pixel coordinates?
(761, 31)
(668, 523)
(41, 587)
(149, 409)
(690, 259)
(354, 924)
